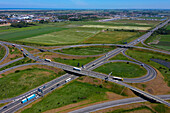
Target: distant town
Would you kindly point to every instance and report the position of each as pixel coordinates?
(39, 16)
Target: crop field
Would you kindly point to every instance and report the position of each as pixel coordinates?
(145, 56)
(112, 37)
(117, 27)
(122, 69)
(112, 24)
(152, 17)
(2, 52)
(18, 35)
(160, 41)
(142, 22)
(93, 50)
(22, 81)
(69, 36)
(75, 62)
(79, 91)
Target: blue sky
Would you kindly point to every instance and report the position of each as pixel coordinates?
(87, 4)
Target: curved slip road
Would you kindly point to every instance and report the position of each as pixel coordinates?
(6, 54)
(115, 103)
(151, 73)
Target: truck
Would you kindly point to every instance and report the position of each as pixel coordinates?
(31, 97)
(13, 45)
(118, 78)
(28, 98)
(48, 60)
(76, 68)
(67, 80)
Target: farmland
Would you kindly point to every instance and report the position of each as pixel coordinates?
(22, 81)
(117, 27)
(87, 50)
(18, 35)
(122, 69)
(142, 22)
(112, 37)
(71, 32)
(69, 36)
(161, 41)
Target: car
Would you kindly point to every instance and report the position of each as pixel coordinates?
(4, 107)
(142, 64)
(52, 88)
(57, 84)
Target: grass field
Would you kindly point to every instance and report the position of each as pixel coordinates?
(22, 81)
(117, 27)
(93, 50)
(72, 93)
(120, 56)
(112, 37)
(74, 62)
(2, 52)
(144, 56)
(20, 62)
(69, 36)
(122, 69)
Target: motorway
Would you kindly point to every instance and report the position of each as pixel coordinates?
(87, 71)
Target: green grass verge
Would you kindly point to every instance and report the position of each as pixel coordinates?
(22, 81)
(71, 93)
(145, 55)
(2, 52)
(122, 69)
(119, 57)
(20, 62)
(74, 62)
(133, 110)
(93, 50)
(160, 108)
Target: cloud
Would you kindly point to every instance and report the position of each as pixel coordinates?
(79, 2)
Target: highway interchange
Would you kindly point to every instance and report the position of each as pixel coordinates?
(151, 74)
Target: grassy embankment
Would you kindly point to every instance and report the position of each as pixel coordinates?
(72, 93)
(2, 52)
(93, 50)
(145, 56)
(22, 81)
(20, 62)
(122, 69)
(159, 108)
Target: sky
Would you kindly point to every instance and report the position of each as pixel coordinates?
(87, 4)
